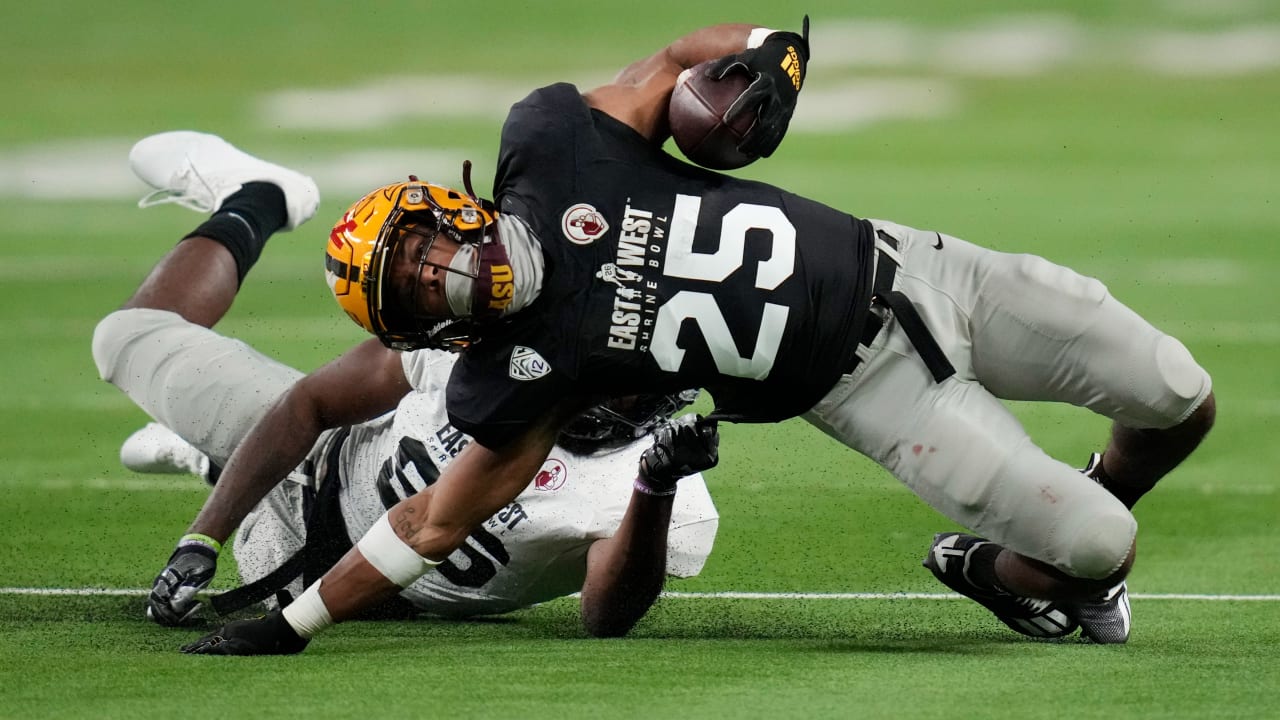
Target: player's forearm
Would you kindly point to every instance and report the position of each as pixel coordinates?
(626, 572)
(354, 585)
(271, 450)
(379, 566)
(709, 43)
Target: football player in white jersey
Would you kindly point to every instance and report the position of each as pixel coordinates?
(580, 526)
(536, 549)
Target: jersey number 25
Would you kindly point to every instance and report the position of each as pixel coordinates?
(702, 308)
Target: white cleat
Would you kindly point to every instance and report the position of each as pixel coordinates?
(199, 171)
(156, 449)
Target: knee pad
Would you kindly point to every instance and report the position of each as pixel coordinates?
(1185, 381)
(1098, 545)
(108, 338)
(125, 335)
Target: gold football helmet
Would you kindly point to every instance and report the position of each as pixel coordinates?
(358, 259)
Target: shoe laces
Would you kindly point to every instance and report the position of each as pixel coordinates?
(198, 201)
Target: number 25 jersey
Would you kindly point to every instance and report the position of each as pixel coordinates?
(659, 276)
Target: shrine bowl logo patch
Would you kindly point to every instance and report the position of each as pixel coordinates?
(551, 477)
(582, 224)
(527, 364)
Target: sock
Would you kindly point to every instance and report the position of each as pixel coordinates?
(982, 567)
(244, 222)
(1126, 494)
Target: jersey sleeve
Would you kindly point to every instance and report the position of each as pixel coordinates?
(497, 391)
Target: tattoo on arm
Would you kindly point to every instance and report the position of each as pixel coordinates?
(405, 525)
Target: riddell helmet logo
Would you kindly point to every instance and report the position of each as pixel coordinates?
(582, 224)
(527, 364)
(551, 477)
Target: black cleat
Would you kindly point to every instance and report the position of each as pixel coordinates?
(948, 560)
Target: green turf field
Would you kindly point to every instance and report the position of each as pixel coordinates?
(1135, 141)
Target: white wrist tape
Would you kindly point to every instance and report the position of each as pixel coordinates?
(756, 37)
(307, 615)
(391, 556)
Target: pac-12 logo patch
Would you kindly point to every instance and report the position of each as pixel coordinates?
(582, 224)
(551, 477)
(527, 364)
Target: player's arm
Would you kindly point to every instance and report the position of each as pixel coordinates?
(626, 572)
(639, 95)
(410, 539)
(363, 383)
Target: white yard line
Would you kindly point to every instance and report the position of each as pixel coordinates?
(86, 592)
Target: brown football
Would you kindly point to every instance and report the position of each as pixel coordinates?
(696, 116)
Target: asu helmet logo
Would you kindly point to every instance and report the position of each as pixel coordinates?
(583, 224)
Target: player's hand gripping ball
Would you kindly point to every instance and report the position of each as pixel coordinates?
(699, 105)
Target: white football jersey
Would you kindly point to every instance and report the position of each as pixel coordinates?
(534, 549)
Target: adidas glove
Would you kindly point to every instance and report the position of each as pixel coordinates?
(191, 567)
(680, 448)
(777, 67)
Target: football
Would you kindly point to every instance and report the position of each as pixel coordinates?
(696, 117)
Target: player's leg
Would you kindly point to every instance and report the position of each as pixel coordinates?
(962, 451)
(1057, 535)
(1043, 332)
(1038, 331)
(250, 199)
(158, 348)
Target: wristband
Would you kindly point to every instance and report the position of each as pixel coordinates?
(202, 540)
(391, 556)
(641, 485)
(307, 615)
(756, 37)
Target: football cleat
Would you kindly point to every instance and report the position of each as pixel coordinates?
(949, 559)
(200, 171)
(155, 449)
(1091, 468)
(1107, 619)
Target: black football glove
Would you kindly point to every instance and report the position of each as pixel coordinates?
(777, 68)
(680, 448)
(270, 634)
(172, 601)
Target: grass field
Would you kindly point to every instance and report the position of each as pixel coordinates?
(1134, 141)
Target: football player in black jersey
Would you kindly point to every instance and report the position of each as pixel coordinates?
(606, 266)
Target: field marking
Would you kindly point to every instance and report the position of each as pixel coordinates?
(165, 483)
(90, 592)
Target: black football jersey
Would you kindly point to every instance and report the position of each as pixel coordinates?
(660, 276)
